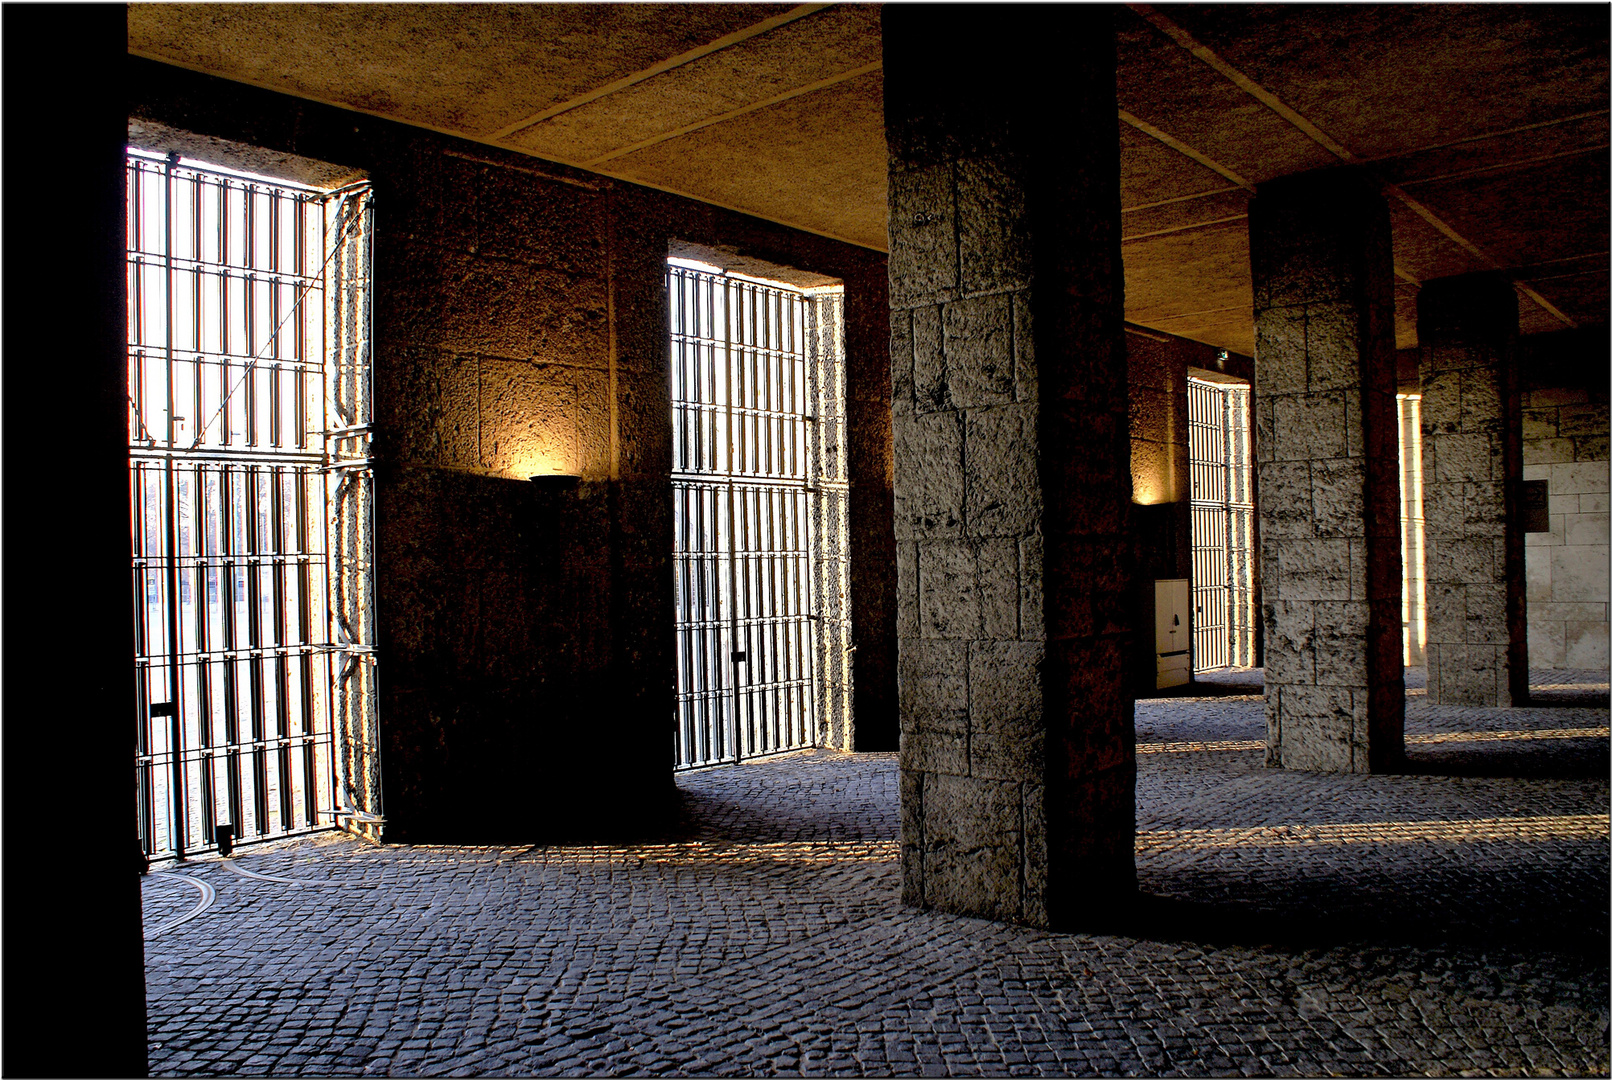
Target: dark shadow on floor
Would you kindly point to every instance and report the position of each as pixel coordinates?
(1237, 682)
(1562, 697)
(1527, 911)
(702, 815)
(1533, 933)
(1541, 759)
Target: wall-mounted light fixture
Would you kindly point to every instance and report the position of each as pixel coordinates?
(555, 481)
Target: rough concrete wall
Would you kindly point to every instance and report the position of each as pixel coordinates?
(494, 334)
(1012, 473)
(1564, 432)
(521, 328)
(1327, 445)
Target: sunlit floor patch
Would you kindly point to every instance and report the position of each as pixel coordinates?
(1476, 830)
(1423, 739)
(1432, 738)
(1199, 747)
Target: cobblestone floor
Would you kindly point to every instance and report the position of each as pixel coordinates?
(1451, 920)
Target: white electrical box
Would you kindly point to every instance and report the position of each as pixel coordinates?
(1172, 631)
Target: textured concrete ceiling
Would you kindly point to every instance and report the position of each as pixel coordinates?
(1488, 123)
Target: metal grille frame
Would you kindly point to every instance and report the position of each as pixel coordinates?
(758, 505)
(1222, 510)
(228, 317)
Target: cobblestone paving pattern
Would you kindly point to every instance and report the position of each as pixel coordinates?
(1450, 920)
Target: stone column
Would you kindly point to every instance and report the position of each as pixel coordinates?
(1328, 472)
(1012, 462)
(1477, 625)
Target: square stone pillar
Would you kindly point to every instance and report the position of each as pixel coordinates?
(1328, 451)
(1477, 624)
(1012, 462)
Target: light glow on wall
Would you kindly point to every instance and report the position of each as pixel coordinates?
(540, 464)
(1146, 491)
(1153, 467)
(1412, 531)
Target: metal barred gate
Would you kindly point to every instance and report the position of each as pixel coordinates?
(1222, 525)
(742, 491)
(250, 487)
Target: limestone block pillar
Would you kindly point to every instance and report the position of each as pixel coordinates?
(1477, 639)
(1012, 462)
(1327, 446)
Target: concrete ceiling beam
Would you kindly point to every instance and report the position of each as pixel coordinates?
(650, 72)
(732, 114)
(1208, 56)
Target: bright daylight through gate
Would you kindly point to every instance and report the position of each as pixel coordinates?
(1222, 525)
(759, 516)
(249, 425)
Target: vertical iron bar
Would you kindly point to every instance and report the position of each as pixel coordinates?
(249, 304)
(766, 519)
(225, 408)
(282, 671)
(300, 340)
(784, 614)
(204, 695)
(177, 828)
(304, 637)
(780, 619)
(807, 510)
(198, 523)
(254, 628)
(145, 740)
(811, 628)
(717, 498)
(198, 403)
(683, 737)
(732, 558)
(327, 372)
(343, 757)
(273, 287)
(133, 172)
(229, 544)
(1223, 416)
